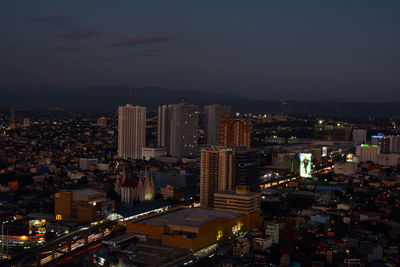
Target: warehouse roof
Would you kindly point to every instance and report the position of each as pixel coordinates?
(188, 217)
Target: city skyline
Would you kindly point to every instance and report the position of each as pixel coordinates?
(212, 133)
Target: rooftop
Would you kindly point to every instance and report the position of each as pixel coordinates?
(189, 217)
(234, 193)
(86, 192)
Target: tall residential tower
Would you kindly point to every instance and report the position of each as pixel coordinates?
(178, 129)
(217, 173)
(235, 132)
(131, 131)
(213, 115)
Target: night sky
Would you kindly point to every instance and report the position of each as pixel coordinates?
(342, 50)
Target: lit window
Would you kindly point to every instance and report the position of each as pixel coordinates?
(219, 234)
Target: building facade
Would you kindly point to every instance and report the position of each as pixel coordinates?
(247, 169)
(216, 173)
(131, 131)
(241, 201)
(82, 205)
(195, 228)
(368, 153)
(213, 115)
(360, 136)
(102, 122)
(235, 132)
(163, 126)
(178, 129)
(153, 152)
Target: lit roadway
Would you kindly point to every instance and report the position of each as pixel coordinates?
(90, 232)
(75, 245)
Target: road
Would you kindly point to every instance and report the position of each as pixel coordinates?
(75, 245)
(30, 255)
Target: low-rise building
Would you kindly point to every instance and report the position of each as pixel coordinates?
(272, 229)
(195, 228)
(171, 192)
(81, 205)
(241, 248)
(153, 152)
(345, 168)
(262, 243)
(241, 201)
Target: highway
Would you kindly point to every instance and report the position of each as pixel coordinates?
(74, 245)
(90, 231)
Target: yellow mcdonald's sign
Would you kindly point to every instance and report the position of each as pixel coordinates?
(58, 217)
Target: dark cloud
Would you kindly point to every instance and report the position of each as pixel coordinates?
(102, 58)
(52, 19)
(60, 46)
(142, 39)
(79, 34)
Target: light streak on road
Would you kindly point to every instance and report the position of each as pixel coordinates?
(76, 244)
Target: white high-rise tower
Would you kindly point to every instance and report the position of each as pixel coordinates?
(131, 131)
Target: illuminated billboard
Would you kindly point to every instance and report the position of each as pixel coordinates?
(37, 226)
(305, 165)
(350, 158)
(324, 151)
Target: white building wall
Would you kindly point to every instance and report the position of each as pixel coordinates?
(131, 131)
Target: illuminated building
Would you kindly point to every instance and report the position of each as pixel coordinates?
(368, 153)
(217, 173)
(131, 131)
(377, 139)
(195, 228)
(213, 115)
(134, 189)
(241, 201)
(153, 152)
(178, 129)
(81, 205)
(14, 236)
(26, 122)
(102, 122)
(235, 132)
